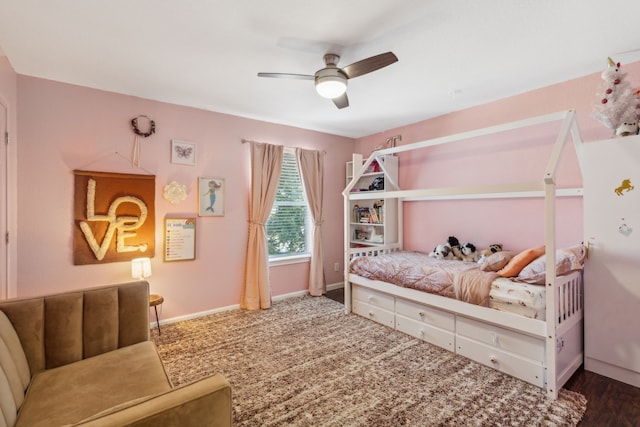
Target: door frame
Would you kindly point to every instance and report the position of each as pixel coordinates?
(8, 204)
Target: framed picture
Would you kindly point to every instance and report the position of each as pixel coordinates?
(183, 152)
(210, 196)
(179, 239)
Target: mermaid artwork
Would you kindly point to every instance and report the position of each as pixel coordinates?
(213, 186)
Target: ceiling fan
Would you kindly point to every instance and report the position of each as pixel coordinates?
(331, 81)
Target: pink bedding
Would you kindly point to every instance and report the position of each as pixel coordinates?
(415, 270)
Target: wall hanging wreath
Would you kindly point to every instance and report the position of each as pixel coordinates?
(138, 132)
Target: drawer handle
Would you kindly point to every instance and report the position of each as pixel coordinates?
(421, 313)
(371, 299)
(371, 314)
(493, 358)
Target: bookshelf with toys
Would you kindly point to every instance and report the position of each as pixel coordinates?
(373, 221)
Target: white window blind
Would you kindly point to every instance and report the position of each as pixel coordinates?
(288, 224)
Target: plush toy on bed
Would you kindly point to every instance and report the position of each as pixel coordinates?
(454, 244)
(493, 248)
(442, 252)
(469, 252)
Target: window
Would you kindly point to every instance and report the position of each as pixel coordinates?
(288, 224)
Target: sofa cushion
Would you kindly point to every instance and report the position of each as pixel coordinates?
(205, 402)
(100, 321)
(70, 393)
(27, 318)
(8, 408)
(63, 328)
(13, 360)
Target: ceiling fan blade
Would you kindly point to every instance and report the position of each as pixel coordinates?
(287, 76)
(370, 64)
(342, 101)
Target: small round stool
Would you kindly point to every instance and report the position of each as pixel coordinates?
(154, 301)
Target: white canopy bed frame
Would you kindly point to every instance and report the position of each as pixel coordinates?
(542, 352)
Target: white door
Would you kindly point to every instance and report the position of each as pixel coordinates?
(612, 273)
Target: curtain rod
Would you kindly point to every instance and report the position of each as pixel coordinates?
(244, 141)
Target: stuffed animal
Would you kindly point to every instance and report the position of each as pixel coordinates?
(441, 252)
(493, 248)
(469, 252)
(454, 244)
(628, 127)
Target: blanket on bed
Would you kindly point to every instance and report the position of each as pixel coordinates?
(453, 279)
(474, 285)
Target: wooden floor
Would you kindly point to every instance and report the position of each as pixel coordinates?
(610, 403)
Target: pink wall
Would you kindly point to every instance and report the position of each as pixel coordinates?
(517, 224)
(65, 127)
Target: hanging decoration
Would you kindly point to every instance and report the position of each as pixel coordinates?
(175, 192)
(114, 217)
(139, 133)
(618, 106)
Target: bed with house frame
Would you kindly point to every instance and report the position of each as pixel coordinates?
(543, 347)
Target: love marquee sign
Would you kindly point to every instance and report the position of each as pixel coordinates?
(114, 217)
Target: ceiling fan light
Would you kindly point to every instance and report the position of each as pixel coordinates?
(331, 86)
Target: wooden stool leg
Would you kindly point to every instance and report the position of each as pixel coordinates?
(157, 320)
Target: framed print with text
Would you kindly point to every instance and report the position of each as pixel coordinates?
(179, 239)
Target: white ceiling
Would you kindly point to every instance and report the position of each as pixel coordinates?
(452, 54)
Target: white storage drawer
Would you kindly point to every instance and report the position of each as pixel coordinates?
(374, 313)
(425, 332)
(374, 298)
(433, 316)
(503, 361)
(501, 338)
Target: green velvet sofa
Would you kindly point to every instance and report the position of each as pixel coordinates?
(85, 358)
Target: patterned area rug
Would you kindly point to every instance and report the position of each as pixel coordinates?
(306, 363)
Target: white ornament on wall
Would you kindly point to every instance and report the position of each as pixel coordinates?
(175, 192)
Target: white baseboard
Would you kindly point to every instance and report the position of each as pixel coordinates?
(195, 315)
(612, 371)
(236, 306)
(335, 286)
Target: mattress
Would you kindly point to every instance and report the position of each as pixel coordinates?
(518, 298)
(453, 279)
(415, 270)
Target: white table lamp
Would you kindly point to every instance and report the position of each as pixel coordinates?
(140, 268)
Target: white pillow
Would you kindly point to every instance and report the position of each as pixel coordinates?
(567, 260)
(496, 261)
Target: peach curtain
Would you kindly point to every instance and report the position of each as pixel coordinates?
(311, 167)
(266, 167)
